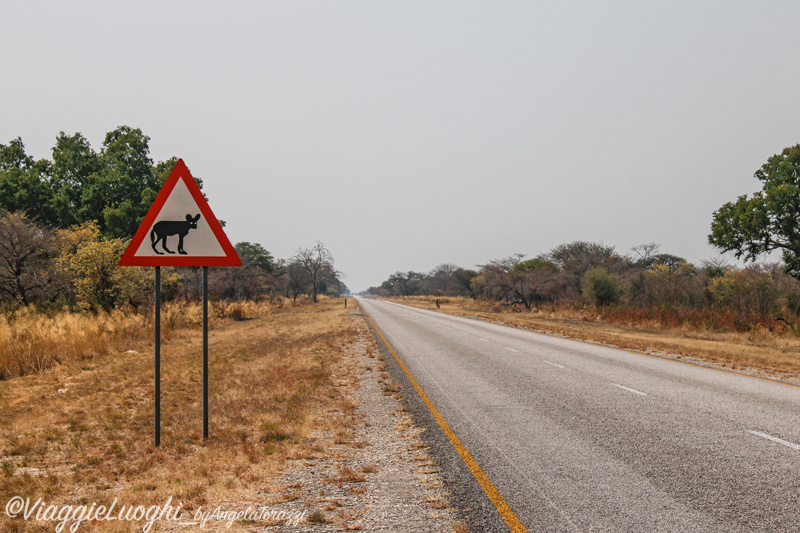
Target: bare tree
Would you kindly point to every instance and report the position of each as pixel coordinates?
(317, 261)
(24, 250)
(297, 281)
(440, 280)
(645, 254)
(517, 282)
(191, 283)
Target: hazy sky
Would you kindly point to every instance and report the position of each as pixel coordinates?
(407, 134)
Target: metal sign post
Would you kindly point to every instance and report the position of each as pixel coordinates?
(158, 356)
(205, 353)
(180, 213)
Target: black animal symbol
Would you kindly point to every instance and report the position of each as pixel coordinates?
(165, 228)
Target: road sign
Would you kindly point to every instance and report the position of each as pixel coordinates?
(180, 229)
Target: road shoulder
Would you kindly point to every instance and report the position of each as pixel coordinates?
(378, 477)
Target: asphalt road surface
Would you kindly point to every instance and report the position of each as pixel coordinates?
(580, 437)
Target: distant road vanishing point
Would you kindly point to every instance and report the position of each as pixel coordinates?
(580, 437)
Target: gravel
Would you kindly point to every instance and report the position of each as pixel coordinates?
(401, 490)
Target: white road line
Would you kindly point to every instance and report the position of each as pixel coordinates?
(791, 445)
(555, 364)
(512, 349)
(464, 333)
(630, 389)
(484, 340)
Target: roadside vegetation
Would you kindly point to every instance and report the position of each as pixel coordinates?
(646, 288)
(76, 353)
(82, 431)
(647, 299)
(64, 224)
(76, 345)
(63, 295)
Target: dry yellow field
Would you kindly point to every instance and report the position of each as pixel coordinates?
(82, 430)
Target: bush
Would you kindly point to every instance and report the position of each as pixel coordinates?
(793, 301)
(746, 291)
(600, 287)
(99, 282)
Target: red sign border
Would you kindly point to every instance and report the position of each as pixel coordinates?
(180, 172)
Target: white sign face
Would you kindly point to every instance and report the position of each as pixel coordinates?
(180, 227)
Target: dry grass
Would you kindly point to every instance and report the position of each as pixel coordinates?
(460, 527)
(437, 502)
(31, 341)
(345, 474)
(775, 352)
(270, 386)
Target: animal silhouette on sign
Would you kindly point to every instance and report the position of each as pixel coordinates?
(165, 228)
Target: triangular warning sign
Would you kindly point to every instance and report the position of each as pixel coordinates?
(180, 229)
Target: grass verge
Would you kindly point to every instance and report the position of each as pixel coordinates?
(81, 431)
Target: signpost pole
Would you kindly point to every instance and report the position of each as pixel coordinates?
(205, 353)
(180, 211)
(158, 355)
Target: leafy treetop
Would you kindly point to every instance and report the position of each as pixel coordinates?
(767, 220)
(115, 186)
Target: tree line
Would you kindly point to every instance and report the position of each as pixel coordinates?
(593, 273)
(65, 222)
(646, 280)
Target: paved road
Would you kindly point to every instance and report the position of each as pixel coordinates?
(579, 437)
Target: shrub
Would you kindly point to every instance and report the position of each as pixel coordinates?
(746, 291)
(100, 283)
(793, 301)
(600, 287)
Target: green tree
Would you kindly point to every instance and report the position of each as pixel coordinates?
(121, 192)
(74, 161)
(255, 256)
(13, 156)
(25, 183)
(115, 193)
(768, 219)
(115, 187)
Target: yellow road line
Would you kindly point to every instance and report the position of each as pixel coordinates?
(497, 499)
